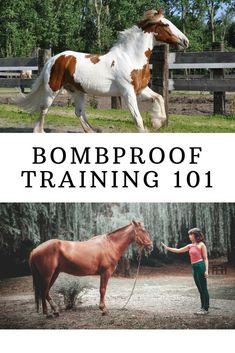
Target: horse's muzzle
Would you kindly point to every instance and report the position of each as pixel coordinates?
(183, 43)
(149, 248)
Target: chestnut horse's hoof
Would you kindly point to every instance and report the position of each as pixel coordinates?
(49, 316)
(104, 313)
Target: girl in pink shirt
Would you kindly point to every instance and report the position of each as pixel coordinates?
(199, 260)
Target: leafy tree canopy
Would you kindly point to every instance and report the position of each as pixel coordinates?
(93, 25)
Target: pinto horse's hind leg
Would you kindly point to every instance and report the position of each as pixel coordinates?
(158, 113)
(47, 102)
(79, 100)
(40, 122)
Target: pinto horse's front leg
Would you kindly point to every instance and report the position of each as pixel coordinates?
(103, 285)
(131, 102)
(158, 113)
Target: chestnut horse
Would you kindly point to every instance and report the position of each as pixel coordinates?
(96, 256)
(123, 71)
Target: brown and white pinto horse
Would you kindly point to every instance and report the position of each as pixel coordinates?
(96, 256)
(123, 71)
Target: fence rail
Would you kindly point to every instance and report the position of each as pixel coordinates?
(16, 82)
(215, 85)
(204, 60)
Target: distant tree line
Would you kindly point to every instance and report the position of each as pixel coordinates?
(93, 25)
(25, 225)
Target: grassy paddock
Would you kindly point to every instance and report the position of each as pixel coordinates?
(113, 120)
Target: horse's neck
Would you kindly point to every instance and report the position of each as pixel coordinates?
(135, 43)
(122, 238)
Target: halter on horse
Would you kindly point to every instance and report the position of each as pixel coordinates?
(123, 71)
(97, 256)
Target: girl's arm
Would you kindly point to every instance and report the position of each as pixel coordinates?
(176, 251)
(205, 258)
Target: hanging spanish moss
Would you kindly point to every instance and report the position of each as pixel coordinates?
(24, 225)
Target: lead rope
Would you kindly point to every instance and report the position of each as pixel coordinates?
(136, 276)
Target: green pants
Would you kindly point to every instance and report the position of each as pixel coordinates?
(198, 270)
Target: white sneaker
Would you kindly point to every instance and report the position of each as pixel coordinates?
(202, 312)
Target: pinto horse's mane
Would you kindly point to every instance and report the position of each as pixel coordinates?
(150, 17)
(127, 35)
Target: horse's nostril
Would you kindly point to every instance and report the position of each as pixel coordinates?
(186, 43)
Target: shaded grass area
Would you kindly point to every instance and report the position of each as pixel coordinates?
(113, 120)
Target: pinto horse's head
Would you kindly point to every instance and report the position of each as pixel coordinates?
(142, 237)
(163, 30)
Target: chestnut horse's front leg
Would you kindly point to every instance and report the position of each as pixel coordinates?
(104, 277)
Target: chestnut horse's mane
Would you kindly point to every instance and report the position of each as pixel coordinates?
(119, 229)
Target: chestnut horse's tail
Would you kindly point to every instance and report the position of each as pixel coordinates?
(37, 283)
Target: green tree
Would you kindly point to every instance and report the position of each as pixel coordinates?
(46, 27)
(69, 18)
(230, 36)
(218, 13)
(189, 16)
(17, 20)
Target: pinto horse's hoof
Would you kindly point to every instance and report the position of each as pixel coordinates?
(56, 314)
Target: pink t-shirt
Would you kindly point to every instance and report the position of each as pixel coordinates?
(195, 253)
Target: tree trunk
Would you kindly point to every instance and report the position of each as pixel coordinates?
(98, 10)
(184, 9)
(43, 56)
(211, 16)
(116, 103)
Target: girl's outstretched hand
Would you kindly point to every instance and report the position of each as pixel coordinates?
(164, 245)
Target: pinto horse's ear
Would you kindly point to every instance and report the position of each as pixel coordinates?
(151, 17)
(161, 12)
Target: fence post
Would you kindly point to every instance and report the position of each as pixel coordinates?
(43, 56)
(219, 97)
(116, 103)
(160, 74)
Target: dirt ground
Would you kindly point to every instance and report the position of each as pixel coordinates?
(201, 104)
(164, 298)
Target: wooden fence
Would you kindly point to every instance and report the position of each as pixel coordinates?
(163, 65)
(11, 69)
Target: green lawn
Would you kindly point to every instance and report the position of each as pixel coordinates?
(112, 120)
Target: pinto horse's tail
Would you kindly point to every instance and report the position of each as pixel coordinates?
(37, 283)
(35, 100)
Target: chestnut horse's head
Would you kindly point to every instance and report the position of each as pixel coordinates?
(163, 30)
(142, 237)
